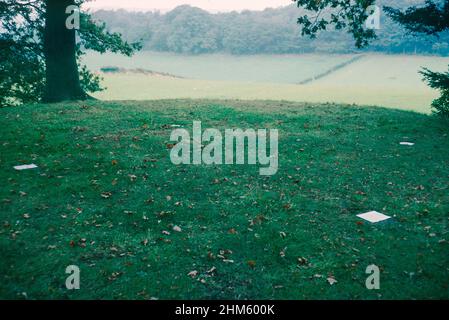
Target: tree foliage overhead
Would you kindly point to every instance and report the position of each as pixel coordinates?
(190, 30)
(439, 81)
(21, 69)
(420, 16)
(343, 14)
(22, 61)
(431, 18)
(427, 17)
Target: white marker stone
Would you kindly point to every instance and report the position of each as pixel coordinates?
(25, 167)
(373, 216)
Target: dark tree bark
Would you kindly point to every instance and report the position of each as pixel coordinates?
(62, 77)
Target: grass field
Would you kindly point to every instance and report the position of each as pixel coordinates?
(219, 67)
(381, 80)
(105, 193)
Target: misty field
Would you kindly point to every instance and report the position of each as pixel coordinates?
(377, 80)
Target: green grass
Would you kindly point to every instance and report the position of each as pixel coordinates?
(383, 80)
(221, 67)
(336, 161)
(143, 87)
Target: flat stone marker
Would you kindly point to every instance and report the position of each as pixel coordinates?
(373, 216)
(25, 167)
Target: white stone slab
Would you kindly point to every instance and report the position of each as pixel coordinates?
(25, 167)
(373, 216)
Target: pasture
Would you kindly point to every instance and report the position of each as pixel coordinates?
(380, 80)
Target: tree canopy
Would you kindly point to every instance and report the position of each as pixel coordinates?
(427, 17)
(22, 57)
(190, 30)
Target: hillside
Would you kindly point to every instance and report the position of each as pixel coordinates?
(106, 196)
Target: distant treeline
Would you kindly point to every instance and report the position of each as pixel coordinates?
(191, 30)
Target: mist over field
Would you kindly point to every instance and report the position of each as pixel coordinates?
(366, 79)
(191, 53)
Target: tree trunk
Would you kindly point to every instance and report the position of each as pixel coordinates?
(62, 77)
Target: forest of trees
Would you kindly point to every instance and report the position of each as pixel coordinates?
(191, 30)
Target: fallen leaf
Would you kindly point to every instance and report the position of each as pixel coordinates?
(331, 280)
(115, 275)
(302, 261)
(282, 253)
(258, 220)
(106, 195)
(212, 270)
(228, 261)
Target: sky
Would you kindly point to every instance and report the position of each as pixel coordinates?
(166, 5)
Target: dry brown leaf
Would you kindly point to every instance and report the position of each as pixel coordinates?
(331, 280)
(193, 274)
(228, 261)
(302, 261)
(212, 270)
(106, 195)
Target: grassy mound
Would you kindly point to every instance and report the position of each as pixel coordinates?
(105, 193)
